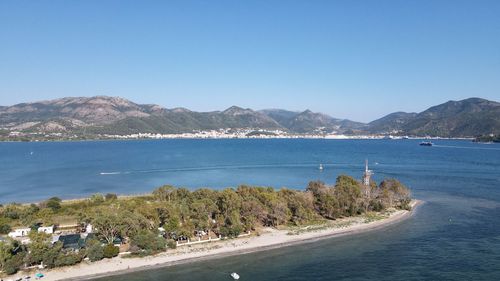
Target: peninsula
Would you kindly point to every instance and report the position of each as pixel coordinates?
(107, 234)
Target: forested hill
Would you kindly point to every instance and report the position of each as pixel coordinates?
(464, 118)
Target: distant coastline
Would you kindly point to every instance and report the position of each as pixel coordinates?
(215, 136)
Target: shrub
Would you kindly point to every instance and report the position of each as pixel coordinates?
(171, 244)
(13, 264)
(4, 226)
(110, 251)
(95, 251)
(231, 231)
(67, 259)
(111, 196)
(96, 198)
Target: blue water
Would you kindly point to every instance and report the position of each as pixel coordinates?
(455, 235)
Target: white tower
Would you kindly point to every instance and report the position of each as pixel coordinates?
(367, 174)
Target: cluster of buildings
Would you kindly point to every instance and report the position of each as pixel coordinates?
(72, 236)
(240, 134)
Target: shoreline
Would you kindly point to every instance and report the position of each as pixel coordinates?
(269, 240)
(232, 138)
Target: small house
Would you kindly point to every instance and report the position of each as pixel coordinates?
(20, 232)
(46, 229)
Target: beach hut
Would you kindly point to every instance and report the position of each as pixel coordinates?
(46, 229)
(19, 232)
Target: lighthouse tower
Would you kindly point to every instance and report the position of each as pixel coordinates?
(367, 174)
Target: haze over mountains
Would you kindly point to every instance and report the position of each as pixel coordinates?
(115, 115)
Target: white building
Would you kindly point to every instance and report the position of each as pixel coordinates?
(89, 228)
(20, 232)
(46, 229)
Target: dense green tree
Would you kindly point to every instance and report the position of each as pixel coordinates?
(53, 203)
(6, 253)
(149, 241)
(108, 225)
(4, 226)
(394, 193)
(11, 257)
(94, 250)
(39, 247)
(164, 193)
(348, 194)
(325, 201)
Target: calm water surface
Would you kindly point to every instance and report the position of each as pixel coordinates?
(455, 235)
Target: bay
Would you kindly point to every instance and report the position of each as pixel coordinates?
(455, 235)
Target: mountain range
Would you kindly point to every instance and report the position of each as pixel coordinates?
(91, 116)
(464, 118)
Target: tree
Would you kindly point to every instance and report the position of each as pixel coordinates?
(38, 248)
(164, 193)
(228, 201)
(108, 225)
(149, 241)
(300, 204)
(325, 201)
(279, 212)
(51, 254)
(53, 203)
(6, 253)
(394, 194)
(348, 194)
(232, 225)
(94, 250)
(253, 213)
(11, 257)
(4, 226)
(202, 211)
(113, 223)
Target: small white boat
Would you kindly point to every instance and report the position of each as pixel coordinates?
(321, 167)
(235, 276)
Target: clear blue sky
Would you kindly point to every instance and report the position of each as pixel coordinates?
(350, 59)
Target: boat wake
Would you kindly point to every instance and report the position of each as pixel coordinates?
(466, 147)
(233, 167)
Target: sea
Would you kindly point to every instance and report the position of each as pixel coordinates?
(454, 235)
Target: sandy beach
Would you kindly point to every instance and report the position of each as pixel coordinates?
(268, 238)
